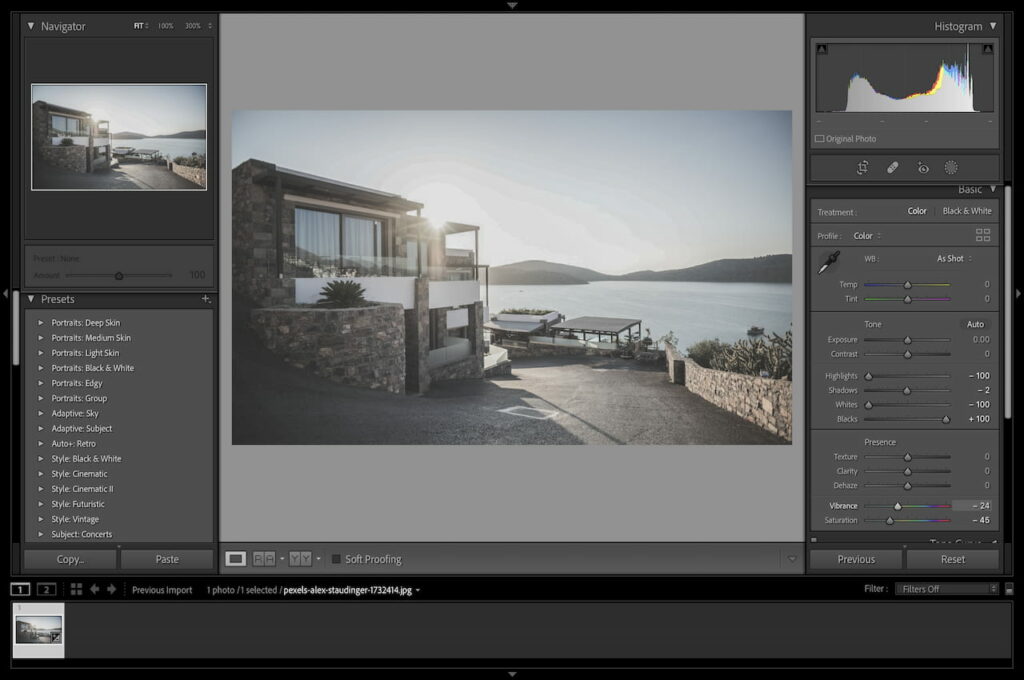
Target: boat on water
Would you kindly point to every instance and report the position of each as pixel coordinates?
(755, 330)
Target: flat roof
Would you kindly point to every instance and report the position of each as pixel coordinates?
(459, 227)
(57, 108)
(335, 182)
(304, 181)
(514, 326)
(596, 324)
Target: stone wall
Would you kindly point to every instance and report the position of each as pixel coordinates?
(676, 364)
(361, 347)
(40, 125)
(253, 246)
(74, 158)
(500, 370)
(194, 175)
(535, 350)
(463, 369)
(473, 365)
(765, 402)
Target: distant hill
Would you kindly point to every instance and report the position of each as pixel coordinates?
(187, 134)
(510, 276)
(526, 270)
(765, 269)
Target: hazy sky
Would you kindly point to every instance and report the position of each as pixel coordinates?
(616, 191)
(150, 110)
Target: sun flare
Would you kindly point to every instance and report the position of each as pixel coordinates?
(444, 202)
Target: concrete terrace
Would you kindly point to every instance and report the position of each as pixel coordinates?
(585, 400)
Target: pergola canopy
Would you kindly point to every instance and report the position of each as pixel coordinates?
(596, 324)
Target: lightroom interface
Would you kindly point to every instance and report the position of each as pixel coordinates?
(511, 337)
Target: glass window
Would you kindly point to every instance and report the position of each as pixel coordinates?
(58, 126)
(63, 126)
(328, 244)
(361, 244)
(317, 244)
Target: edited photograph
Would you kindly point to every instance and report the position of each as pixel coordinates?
(118, 137)
(512, 277)
(39, 630)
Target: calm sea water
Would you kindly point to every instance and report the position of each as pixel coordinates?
(693, 311)
(169, 147)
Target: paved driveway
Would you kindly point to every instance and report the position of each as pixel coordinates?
(131, 176)
(596, 400)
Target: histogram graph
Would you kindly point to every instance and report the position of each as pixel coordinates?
(904, 78)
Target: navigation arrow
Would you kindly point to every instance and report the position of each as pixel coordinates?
(94, 589)
(512, 5)
(31, 25)
(992, 24)
(31, 298)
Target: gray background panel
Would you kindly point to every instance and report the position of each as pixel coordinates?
(485, 630)
(470, 493)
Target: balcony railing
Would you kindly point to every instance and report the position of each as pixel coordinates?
(454, 350)
(400, 289)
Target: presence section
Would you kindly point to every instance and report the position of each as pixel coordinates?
(900, 482)
(515, 269)
(118, 426)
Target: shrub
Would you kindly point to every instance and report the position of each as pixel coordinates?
(771, 358)
(342, 295)
(524, 310)
(67, 141)
(196, 160)
(705, 351)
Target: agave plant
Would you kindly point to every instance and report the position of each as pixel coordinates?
(342, 294)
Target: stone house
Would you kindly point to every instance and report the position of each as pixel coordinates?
(292, 233)
(69, 139)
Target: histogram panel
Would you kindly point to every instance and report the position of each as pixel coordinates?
(904, 78)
